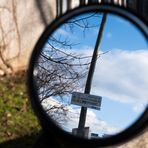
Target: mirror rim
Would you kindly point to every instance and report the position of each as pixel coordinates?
(47, 123)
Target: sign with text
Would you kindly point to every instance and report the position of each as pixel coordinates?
(86, 100)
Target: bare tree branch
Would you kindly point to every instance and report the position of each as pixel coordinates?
(60, 70)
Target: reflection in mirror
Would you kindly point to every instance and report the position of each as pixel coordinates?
(118, 91)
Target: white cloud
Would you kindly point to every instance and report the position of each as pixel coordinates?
(96, 125)
(63, 32)
(138, 108)
(122, 76)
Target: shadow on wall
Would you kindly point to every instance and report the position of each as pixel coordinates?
(45, 11)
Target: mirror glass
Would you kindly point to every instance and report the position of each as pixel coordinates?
(117, 94)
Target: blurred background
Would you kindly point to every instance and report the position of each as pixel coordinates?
(21, 24)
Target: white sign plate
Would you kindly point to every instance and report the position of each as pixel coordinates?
(86, 100)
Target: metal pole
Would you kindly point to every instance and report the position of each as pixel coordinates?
(83, 113)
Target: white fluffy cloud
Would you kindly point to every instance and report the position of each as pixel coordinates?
(122, 76)
(96, 125)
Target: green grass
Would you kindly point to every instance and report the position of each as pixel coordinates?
(16, 116)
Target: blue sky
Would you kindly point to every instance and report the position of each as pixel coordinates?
(120, 74)
(122, 35)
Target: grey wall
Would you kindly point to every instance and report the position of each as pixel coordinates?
(21, 23)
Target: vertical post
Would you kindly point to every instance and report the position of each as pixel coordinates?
(139, 7)
(69, 3)
(83, 113)
(82, 2)
(59, 7)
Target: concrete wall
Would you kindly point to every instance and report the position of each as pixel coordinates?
(21, 23)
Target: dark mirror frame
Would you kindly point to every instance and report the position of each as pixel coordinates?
(51, 129)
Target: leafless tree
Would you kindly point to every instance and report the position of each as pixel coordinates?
(60, 70)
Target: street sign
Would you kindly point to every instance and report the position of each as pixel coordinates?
(86, 100)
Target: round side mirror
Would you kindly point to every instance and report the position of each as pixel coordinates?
(87, 77)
